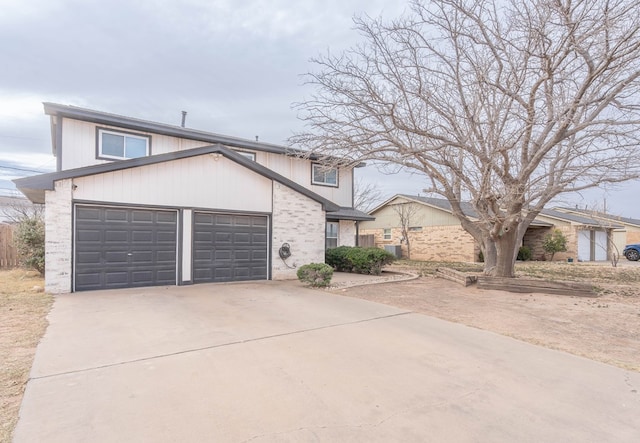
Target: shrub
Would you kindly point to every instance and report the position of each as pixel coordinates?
(29, 242)
(317, 275)
(555, 242)
(524, 253)
(358, 260)
(337, 258)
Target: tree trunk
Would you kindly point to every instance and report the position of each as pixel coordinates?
(490, 254)
(507, 251)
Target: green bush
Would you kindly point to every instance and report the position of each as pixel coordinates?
(358, 260)
(337, 258)
(29, 241)
(555, 242)
(317, 275)
(524, 253)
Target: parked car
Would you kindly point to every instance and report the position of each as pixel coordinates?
(632, 252)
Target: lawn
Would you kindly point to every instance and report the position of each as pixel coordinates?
(23, 310)
(622, 279)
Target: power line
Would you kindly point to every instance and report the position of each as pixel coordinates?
(20, 169)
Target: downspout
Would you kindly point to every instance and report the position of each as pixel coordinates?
(357, 233)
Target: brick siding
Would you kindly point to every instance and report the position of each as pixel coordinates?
(299, 221)
(58, 232)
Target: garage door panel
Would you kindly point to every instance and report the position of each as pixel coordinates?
(223, 238)
(114, 257)
(89, 257)
(90, 280)
(223, 220)
(89, 235)
(128, 245)
(112, 236)
(259, 255)
(142, 236)
(120, 278)
(238, 250)
(140, 216)
(87, 213)
(116, 215)
(223, 274)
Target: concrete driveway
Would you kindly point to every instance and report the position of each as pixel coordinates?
(272, 361)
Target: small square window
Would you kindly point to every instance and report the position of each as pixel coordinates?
(324, 175)
(120, 145)
(387, 234)
(250, 155)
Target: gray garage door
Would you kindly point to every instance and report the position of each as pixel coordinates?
(229, 247)
(124, 247)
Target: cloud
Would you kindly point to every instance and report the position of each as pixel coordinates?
(234, 65)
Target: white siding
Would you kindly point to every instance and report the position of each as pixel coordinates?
(186, 244)
(79, 150)
(79, 143)
(299, 170)
(207, 181)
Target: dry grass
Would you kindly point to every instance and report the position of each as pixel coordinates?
(621, 280)
(23, 310)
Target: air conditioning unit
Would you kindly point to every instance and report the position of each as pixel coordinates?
(394, 249)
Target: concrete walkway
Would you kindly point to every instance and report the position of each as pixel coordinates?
(272, 361)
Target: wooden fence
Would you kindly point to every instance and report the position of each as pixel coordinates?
(367, 241)
(8, 252)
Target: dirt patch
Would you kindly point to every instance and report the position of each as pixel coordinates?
(606, 328)
(23, 310)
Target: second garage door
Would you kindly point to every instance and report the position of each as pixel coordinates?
(229, 247)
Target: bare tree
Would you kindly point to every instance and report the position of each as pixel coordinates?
(505, 105)
(366, 195)
(16, 210)
(406, 213)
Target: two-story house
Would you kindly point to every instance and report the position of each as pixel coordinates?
(138, 203)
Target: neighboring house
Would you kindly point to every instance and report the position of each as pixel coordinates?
(625, 232)
(138, 203)
(435, 234)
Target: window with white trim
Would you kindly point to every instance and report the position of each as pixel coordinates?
(121, 145)
(331, 237)
(324, 175)
(386, 234)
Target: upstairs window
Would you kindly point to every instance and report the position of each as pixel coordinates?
(122, 145)
(324, 175)
(250, 155)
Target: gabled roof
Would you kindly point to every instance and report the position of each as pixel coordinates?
(469, 211)
(345, 213)
(601, 215)
(34, 186)
(120, 121)
(574, 218)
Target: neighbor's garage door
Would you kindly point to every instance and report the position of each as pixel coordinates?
(229, 247)
(124, 247)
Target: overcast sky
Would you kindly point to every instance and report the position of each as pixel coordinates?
(234, 66)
